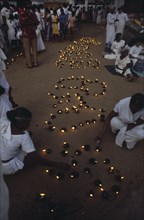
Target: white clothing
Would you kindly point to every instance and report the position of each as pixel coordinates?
(120, 123)
(4, 197)
(135, 51)
(11, 30)
(39, 19)
(110, 28)
(40, 43)
(122, 64)
(120, 24)
(2, 59)
(5, 105)
(116, 47)
(99, 16)
(5, 12)
(13, 147)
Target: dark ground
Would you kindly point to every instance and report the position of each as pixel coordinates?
(68, 197)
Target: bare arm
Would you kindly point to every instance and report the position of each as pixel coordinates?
(106, 123)
(38, 159)
(133, 125)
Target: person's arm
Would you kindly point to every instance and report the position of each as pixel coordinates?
(133, 125)
(38, 159)
(127, 67)
(106, 123)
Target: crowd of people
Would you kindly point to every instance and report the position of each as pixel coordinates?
(29, 27)
(127, 56)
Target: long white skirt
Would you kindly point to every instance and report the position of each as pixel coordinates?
(40, 43)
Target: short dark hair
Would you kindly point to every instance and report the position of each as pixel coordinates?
(19, 113)
(138, 100)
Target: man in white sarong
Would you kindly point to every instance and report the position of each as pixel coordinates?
(127, 121)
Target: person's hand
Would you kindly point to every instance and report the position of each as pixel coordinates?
(130, 126)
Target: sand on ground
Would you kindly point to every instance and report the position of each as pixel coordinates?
(69, 197)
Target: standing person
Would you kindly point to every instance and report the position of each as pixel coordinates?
(55, 25)
(71, 24)
(99, 15)
(63, 19)
(6, 99)
(127, 121)
(29, 22)
(121, 19)
(16, 142)
(11, 31)
(110, 28)
(135, 51)
(48, 24)
(4, 196)
(5, 13)
(117, 45)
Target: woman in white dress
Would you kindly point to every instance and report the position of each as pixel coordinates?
(121, 19)
(16, 142)
(11, 31)
(127, 121)
(40, 43)
(110, 28)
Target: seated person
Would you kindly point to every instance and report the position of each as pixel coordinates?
(117, 45)
(123, 64)
(126, 121)
(16, 142)
(135, 51)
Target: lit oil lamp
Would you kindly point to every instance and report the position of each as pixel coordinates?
(106, 161)
(86, 147)
(92, 161)
(116, 189)
(90, 194)
(78, 152)
(98, 183)
(119, 178)
(64, 153)
(52, 128)
(63, 130)
(66, 145)
(111, 169)
(74, 175)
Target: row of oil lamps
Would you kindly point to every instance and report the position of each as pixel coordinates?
(13, 59)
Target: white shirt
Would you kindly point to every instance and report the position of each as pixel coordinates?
(135, 50)
(122, 63)
(124, 112)
(11, 144)
(117, 46)
(5, 12)
(122, 17)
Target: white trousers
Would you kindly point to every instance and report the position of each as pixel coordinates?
(131, 137)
